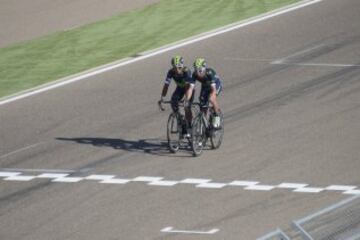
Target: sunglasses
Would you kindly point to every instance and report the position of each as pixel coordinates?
(200, 70)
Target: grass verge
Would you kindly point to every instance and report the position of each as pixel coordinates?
(29, 64)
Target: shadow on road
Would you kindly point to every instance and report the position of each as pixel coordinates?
(150, 146)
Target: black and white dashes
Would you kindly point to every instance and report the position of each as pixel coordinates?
(197, 182)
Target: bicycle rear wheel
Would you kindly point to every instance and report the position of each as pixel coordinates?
(216, 135)
(173, 133)
(198, 136)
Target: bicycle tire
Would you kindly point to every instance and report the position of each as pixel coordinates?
(216, 135)
(173, 133)
(198, 136)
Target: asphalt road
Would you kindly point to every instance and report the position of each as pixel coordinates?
(291, 102)
(23, 20)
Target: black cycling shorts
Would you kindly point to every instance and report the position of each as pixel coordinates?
(178, 96)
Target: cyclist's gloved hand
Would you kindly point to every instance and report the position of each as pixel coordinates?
(160, 102)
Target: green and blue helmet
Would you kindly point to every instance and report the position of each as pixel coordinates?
(200, 65)
(177, 61)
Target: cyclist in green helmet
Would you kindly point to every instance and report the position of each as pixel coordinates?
(211, 86)
(184, 89)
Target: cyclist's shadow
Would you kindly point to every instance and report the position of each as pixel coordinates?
(149, 146)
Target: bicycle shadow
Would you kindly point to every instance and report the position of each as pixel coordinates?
(153, 146)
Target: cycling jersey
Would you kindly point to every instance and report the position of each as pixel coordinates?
(210, 78)
(181, 80)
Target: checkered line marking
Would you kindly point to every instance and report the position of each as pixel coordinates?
(197, 182)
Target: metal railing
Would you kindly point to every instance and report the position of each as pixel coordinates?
(339, 221)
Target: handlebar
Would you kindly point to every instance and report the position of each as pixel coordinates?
(181, 104)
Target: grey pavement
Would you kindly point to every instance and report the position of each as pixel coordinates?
(284, 123)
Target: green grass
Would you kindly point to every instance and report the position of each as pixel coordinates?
(29, 64)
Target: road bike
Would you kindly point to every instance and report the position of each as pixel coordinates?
(202, 129)
(176, 128)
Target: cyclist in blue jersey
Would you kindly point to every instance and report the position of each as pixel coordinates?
(211, 86)
(184, 88)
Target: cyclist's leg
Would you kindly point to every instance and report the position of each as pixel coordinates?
(176, 98)
(204, 99)
(219, 87)
(216, 89)
(188, 112)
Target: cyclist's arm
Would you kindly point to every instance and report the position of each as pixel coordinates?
(214, 79)
(213, 99)
(166, 84)
(190, 86)
(213, 76)
(189, 91)
(164, 90)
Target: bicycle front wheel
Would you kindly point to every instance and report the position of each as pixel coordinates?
(216, 135)
(173, 133)
(198, 136)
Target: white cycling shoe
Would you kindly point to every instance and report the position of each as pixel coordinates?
(216, 122)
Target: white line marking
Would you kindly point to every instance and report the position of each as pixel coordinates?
(353, 192)
(52, 175)
(68, 179)
(100, 177)
(163, 183)
(21, 149)
(249, 59)
(195, 180)
(166, 229)
(278, 62)
(38, 170)
(9, 174)
(115, 181)
(146, 179)
(199, 182)
(243, 183)
(171, 230)
(260, 187)
(20, 178)
(282, 60)
(340, 188)
(317, 64)
(166, 48)
(309, 190)
(292, 185)
(211, 185)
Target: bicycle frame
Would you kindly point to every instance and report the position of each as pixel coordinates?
(205, 114)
